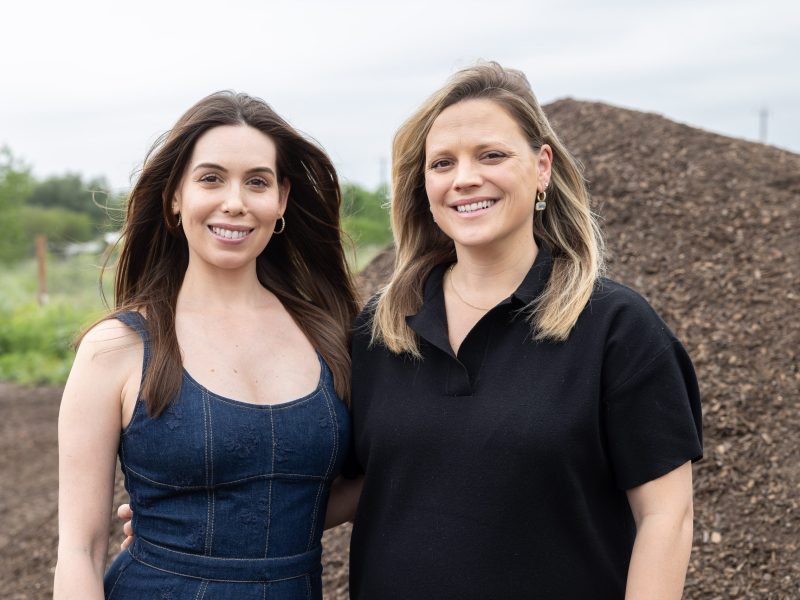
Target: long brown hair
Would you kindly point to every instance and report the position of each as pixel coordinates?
(567, 226)
(305, 267)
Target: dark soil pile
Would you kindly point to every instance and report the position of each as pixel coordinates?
(706, 227)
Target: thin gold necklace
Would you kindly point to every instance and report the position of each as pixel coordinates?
(453, 287)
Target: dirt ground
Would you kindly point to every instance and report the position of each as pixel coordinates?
(706, 227)
(29, 494)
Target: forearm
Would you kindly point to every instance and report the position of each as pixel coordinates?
(343, 501)
(79, 574)
(660, 557)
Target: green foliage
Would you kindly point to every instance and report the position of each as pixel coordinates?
(71, 192)
(59, 225)
(16, 184)
(36, 341)
(364, 215)
(64, 208)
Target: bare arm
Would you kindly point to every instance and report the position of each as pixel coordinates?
(343, 501)
(663, 512)
(89, 426)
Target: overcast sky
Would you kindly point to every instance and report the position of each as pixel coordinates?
(88, 86)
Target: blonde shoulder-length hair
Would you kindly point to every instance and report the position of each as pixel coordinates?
(567, 226)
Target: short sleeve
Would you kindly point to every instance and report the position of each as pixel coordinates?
(651, 397)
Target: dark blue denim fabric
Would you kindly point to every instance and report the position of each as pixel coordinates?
(228, 497)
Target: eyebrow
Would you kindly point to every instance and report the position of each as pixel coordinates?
(208, 165)
(479, 147)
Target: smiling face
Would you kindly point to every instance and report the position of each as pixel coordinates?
(229, 197)
(482, 176)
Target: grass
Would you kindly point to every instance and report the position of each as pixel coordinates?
(36, 341)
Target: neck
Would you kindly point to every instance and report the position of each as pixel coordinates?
(487, 273)
(209, 289)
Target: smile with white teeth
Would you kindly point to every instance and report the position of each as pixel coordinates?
(464, 208)
(229, 233)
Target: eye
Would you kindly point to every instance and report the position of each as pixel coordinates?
(441, 164)
(494, 155)
(210, 178)
(258, 182)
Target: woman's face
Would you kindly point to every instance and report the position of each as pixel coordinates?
(229, 197)
(482, 176)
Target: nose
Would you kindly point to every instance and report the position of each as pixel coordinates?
(467, 175)
(234, 202)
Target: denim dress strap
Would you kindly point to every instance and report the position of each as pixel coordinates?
(137, 322)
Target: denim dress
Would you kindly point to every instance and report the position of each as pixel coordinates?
(228, 497)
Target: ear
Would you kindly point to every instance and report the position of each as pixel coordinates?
(283, 197)
(176, 204)
(544, 165)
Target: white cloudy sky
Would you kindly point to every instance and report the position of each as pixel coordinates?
(87, 86)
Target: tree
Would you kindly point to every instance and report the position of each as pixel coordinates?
(365, 216)
(70, 192)
(16, 184)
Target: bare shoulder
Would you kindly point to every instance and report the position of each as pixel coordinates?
(109, 349)
(110, 335)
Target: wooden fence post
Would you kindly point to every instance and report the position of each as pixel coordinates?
(41, 261)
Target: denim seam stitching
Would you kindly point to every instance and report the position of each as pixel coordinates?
(125, 568)
(331, 462)
(208, 493)
(163, 570)
(223, 483)
(269, 491)
(202, 588)
(211, 487)
(222, 558)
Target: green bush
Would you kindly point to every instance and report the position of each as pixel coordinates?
(34, 368)
(365, 231)
(61, 226)
(364, 215)
(36, 341)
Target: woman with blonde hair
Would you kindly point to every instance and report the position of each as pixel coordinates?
(525, 426)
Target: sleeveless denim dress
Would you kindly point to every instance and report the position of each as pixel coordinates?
(228, 497)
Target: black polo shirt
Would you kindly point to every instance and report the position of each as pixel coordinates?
(501, 472)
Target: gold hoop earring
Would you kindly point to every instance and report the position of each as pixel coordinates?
(178, 222)
(283, 226)
(540, 201)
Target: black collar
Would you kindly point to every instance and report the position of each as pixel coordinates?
(430, 322)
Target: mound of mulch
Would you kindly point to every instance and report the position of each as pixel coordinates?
(706, 227)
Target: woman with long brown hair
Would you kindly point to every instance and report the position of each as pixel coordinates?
(220, 377)
(525, 426)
